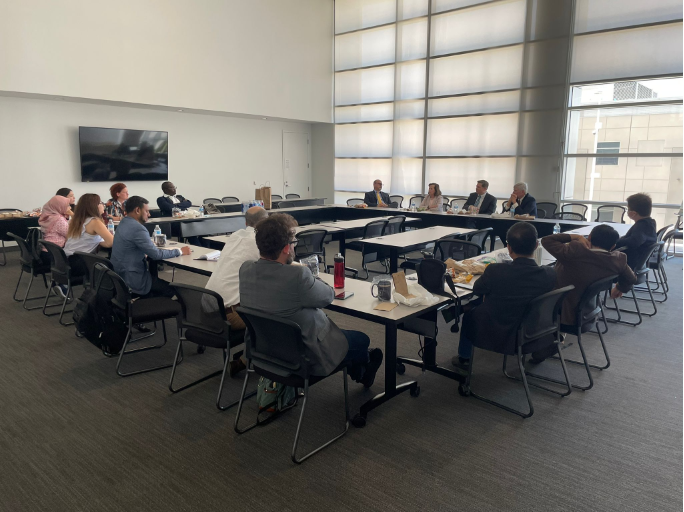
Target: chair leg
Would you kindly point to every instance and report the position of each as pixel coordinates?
(301, 418)
(226, 365)
(4, 255)
(241, 401)
(566, 382)
(619, 311)
(21, 274)
(26, 295)
(127, 340)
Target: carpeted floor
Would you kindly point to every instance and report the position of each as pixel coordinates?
(76, 437)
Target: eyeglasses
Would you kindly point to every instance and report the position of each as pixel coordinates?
(294, 242)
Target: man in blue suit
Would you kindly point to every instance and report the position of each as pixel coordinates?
(524, 203)
(132, 246)
(171, 200)
(376, 197)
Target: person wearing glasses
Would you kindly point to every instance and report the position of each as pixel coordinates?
(274, 286)
(376, 197)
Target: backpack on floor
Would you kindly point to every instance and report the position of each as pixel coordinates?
(274, 396)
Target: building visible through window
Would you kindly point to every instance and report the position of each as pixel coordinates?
(607, 147)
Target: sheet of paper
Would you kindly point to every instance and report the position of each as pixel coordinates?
(400, 285)
(386, 306)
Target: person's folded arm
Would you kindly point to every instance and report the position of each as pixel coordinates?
(184, 205)
(101, 229)
(558, 245)
(142, 239)
(313, 292)
(634, 238)
(626, 278)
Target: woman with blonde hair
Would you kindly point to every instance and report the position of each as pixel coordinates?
(433, 201)
(86, 231)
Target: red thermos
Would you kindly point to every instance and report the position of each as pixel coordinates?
(339, 271)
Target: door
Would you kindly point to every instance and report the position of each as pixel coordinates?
(296, 167)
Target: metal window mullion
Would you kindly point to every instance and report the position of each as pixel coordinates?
(427, 100)
(521, 99)
(394, 83)
(560, 183)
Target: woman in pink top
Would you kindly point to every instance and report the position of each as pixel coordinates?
(53, 222)
(433, 201)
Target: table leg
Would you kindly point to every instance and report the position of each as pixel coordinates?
(391, 388)
(394, 258)
(343, 243)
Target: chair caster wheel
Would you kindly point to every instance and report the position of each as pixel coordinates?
(201, 349)
(415, 392)
(359, 421)
(463, 391)
(401, 369)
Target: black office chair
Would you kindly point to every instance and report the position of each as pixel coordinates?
(397, 199)
(62, 274)
(212, 200)
(579, 208)
(140, 311)
(276, 197)
(480, 237)
(275, 350)
(368, 255)
(286, 204)
(539, 328)
(676, 235)
(311, 242)
(230, 199)
(454, 204)
(394, 225)
(568, 216)
(549, 210)
(4, 237)
(641, 270)
(503, 205)
(655, 263)
(456, 248)
(354, 201)
(415, 201)
(203, 318)
(30, 263)
(611, 213)
(90, 260)
(587, 315)
(292, 196)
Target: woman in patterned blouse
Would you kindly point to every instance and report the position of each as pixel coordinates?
(115, 207)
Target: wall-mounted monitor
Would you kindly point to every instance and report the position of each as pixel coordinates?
(112, 154)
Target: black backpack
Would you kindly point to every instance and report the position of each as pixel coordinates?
(96, 318)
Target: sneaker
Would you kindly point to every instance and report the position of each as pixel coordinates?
(461, 362)
(141, 328)
(375, 360)
(61, 290)
(235, 367)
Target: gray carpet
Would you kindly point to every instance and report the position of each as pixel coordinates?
(75, 436)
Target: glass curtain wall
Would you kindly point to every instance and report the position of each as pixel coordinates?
(625, 99)
(448, 91)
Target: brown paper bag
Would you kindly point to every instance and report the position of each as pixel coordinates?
(400, 285)
(264, 194)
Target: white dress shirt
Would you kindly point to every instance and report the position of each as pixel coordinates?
(240, 247)
(174, 199)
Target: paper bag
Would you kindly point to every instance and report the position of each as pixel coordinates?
(263, 193)
(400, 285)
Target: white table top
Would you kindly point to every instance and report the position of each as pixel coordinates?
(359, 223)
(298, 229)
(157, 220)
(190, 261)
(586, 230)
(416, 237)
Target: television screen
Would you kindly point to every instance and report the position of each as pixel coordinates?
(110, 154)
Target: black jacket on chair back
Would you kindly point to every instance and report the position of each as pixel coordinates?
(507, 289)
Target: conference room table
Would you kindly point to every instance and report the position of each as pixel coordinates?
(586, 230)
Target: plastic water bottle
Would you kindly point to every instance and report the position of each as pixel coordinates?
(157, 230)
(110, 226)
(512, 210)
(556, 229)
(339, 271)
(201, 210)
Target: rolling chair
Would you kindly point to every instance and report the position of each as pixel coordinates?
(354, 201)
(276, 197)
(549, 210)
(311, 242)
(211, 200)
(230, 199)
(292, 196)
(397, 199)
(611, 213)
(575, 208)
(368, 255)
(568, 216)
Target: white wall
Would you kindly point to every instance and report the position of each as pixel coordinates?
(323, 161)
(209, 156)
(259, 57)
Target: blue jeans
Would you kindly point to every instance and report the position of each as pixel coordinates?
(356, 359)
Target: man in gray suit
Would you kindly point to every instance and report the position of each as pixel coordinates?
(275, 286)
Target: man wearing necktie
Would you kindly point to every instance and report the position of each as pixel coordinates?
(376, 197)
(481, 199)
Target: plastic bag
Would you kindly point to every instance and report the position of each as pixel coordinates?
(421, 297)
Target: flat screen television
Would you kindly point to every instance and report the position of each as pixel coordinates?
(111, 154)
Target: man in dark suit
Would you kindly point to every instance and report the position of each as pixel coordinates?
(376, 197)
(581, 262)
(507, 289)
(171, 200)
(643, 233)
(274, 285)
(481, 199)
(524, 203)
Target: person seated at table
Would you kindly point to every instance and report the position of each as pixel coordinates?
(69, 194)
(87, 232)
(115, 207)
(643, 232)
(524, 203)
(377, 197)
(240, 247)
(507, 289)
(133, 245)
(433, 201)
(275, 286)
(581, 262)
(54, 224)
(171, 200)
(481, 200)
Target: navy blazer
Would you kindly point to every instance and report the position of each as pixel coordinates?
(166, 205)
(637, 240)
(507, 288)
(372, 200)
(527, 207)
(487, 206)
(132, 243)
